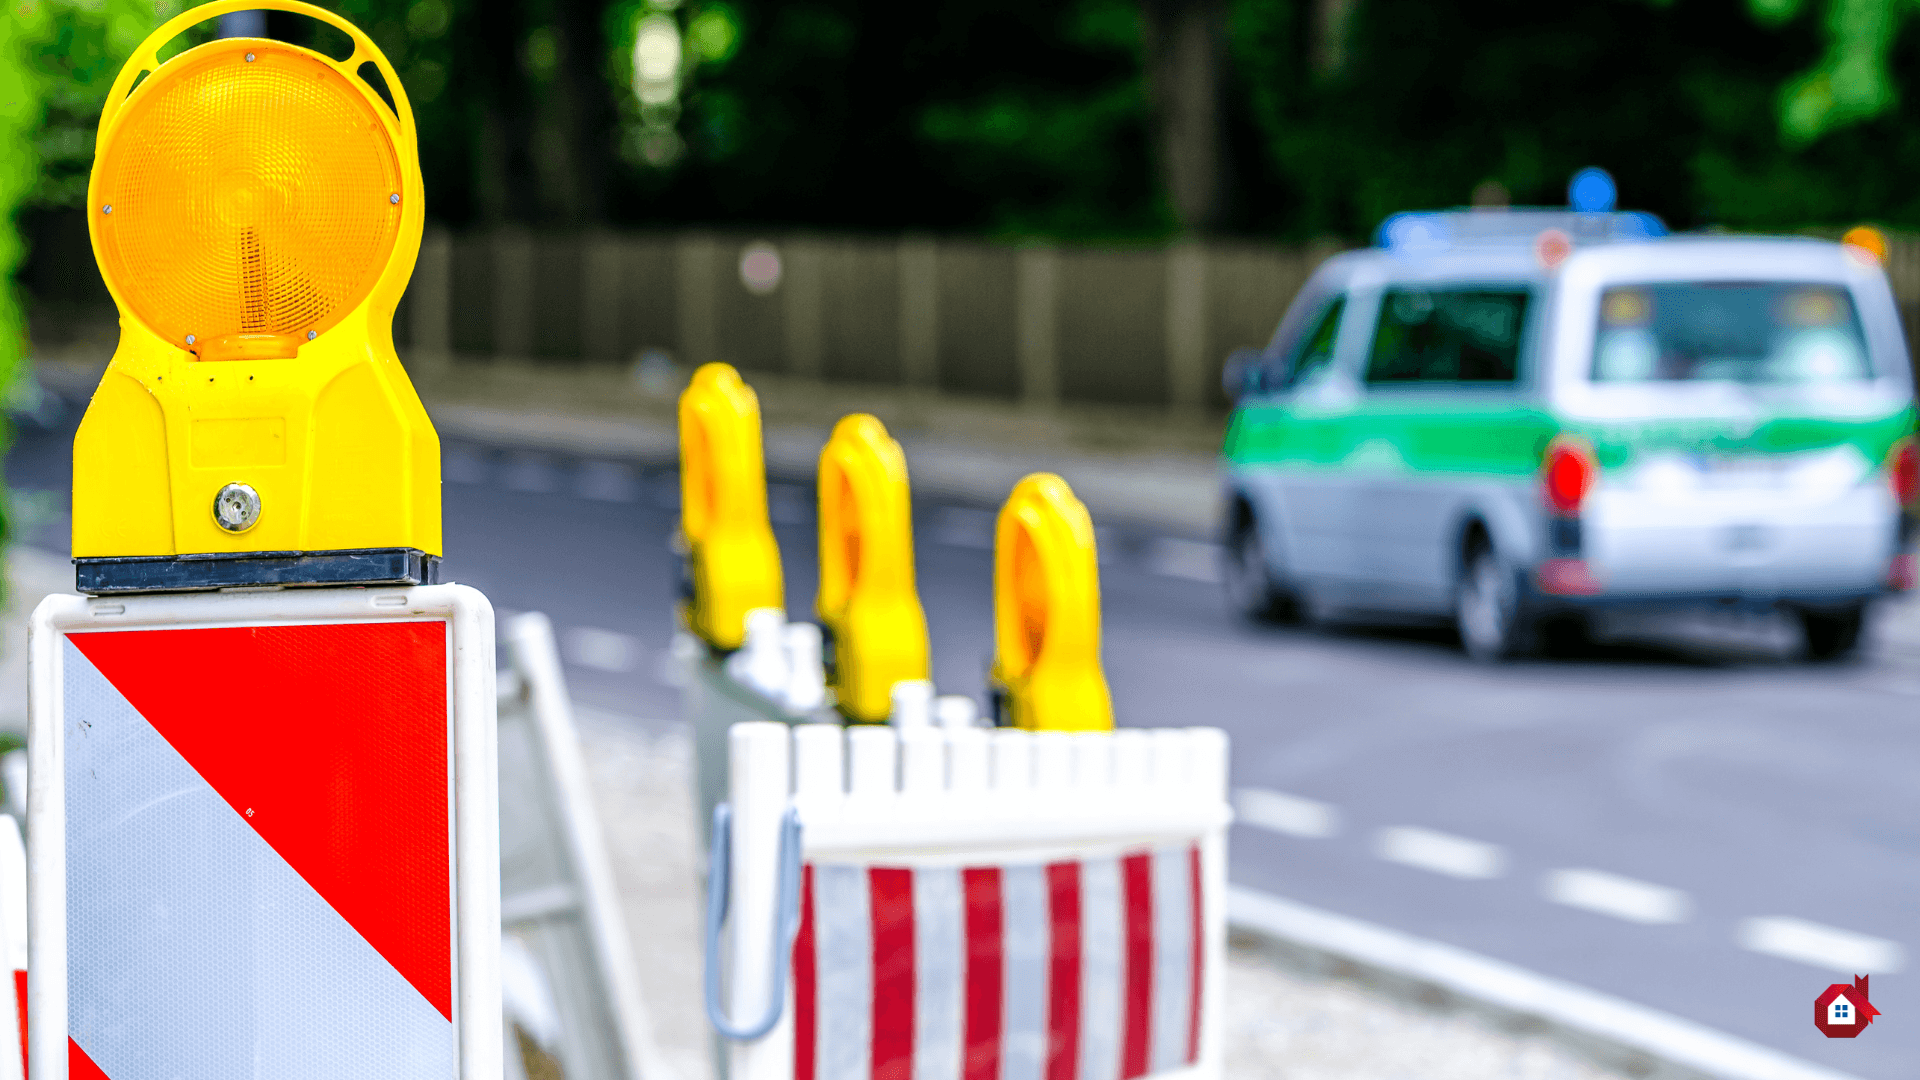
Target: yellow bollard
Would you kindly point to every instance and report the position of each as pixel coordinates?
(1046, 591)
(733, 563)
(255, 208)
(867, 599)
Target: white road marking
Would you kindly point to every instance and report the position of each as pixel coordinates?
(601, 650)
(961, 526)
(1621, 897)
(1822, 946)
(1188, 559)
(606, 481)
(1282, 813)
(1442, 853)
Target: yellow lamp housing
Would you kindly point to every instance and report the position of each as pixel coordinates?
(255, 209)
(867, 600)
(733, 564)
(1046, 612)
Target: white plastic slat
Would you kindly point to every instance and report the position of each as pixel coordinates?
(870, 761)
(1012, 761)
(817, 756)
(1093, 761)
(1130, 753)
(923, 761)
(967, 761)
(1052, 761)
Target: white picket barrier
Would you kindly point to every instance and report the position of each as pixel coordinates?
(570, 982)
(1005, 904)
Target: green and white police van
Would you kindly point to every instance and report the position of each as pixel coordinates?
(1518, 419)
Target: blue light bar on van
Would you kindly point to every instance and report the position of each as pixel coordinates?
(1430, 232)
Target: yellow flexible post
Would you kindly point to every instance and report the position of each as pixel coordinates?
(1046, 590)
(867, 598)
(733, 562)
(255, 208)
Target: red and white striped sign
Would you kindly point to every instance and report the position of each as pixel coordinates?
(260, 865)
(1085, 969)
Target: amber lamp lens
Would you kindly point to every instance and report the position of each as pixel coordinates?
(249, 199)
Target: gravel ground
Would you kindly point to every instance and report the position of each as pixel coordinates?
(1284, 1021)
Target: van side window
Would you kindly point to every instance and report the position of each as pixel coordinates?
(1317, 350)
(1448, 335)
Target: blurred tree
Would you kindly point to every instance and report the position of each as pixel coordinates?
(1185, 51)
(1010, 116)
(1430, 98)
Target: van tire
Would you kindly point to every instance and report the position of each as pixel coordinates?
(1832, 633)
(1488, 610)
(1248, 576)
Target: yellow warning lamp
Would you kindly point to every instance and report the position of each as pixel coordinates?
(1046, 612)
(1869, 240)
(255, 209)
(732, 560)
(868, 599)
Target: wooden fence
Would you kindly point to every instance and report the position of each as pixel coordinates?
(1043, 325)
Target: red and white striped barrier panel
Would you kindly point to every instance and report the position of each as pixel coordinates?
(266, 836)
(977, 906)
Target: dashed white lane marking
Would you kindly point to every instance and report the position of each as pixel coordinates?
(963, 527)
(601, 650)
(1621, 897)
(1822, 946)
(1441, 853)
(1188, 559)
(1282, 813)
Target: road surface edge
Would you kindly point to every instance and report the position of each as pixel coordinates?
(1515, 990)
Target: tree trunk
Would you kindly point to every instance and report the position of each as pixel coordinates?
(1185, 48)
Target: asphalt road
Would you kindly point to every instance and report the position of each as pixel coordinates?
(1692, 820)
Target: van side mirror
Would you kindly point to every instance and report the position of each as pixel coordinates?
(1243, 374)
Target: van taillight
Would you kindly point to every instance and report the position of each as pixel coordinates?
(1568, 474)
(1903, 471)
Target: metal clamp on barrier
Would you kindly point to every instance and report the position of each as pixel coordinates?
(1046, 612)
(786, 921)
(867, 599)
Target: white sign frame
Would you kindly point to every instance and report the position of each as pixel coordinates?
(471, 702)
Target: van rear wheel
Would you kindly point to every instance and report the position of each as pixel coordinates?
(1487, 608)
(1833, 633)
(1248, 577)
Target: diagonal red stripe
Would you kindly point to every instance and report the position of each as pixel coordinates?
(80, 1066)
(1063, 971)
(331, 741)
(20, 999)
(986, 973)
(1136, 887)
(805, 983)
(890, 894)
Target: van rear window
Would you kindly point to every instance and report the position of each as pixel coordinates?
(1448, 335)
(1729, 331)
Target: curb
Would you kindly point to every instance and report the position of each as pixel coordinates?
(1613, 1028)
